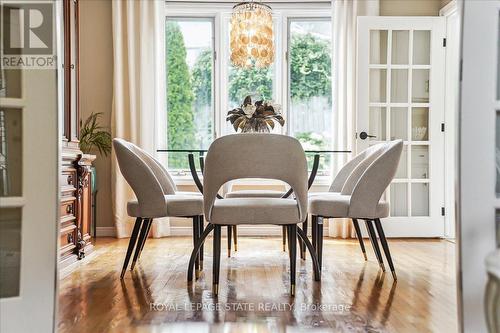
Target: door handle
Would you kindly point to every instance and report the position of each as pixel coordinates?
(364, 135)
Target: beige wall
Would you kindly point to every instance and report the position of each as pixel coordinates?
(411, 7)
(96, 74)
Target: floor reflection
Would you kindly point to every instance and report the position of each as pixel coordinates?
(353, 296)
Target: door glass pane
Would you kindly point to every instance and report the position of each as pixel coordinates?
(378, 79)
(420, 162)
(400, 47)
(419, 124)
(11, 152)
(310, 98)
(497, 151)
(10, 251)
(378, 123)
(399, 199)
(421, 47)
(420, 199)
(378, 46)
(399, 86)
(10, 83)
(420, 86)
(189, 64)
(399, 123)
(402, 171)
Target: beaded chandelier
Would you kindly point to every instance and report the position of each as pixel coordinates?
(252, 41)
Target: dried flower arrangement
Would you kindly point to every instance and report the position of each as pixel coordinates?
(258, 117)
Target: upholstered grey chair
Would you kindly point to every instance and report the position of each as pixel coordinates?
(360, 198)
(156, 197)
(336, 186)
(268, 156)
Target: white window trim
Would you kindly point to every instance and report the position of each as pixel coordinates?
(221, 13)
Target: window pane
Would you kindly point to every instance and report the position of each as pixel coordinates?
(378, 46)
(259, 83)
(421, 47)
(400, 46)
(10, 251)
(310, 93)
(189, 57)
(399, 199)
(11, 152)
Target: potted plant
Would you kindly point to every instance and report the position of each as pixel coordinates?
(94, 137)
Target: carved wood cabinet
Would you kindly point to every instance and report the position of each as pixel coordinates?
(76, 173)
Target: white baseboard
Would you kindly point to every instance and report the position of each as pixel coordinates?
(106, 231)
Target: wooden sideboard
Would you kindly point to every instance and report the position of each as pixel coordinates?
(76, 174)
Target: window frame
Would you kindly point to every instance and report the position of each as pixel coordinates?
(220, 13)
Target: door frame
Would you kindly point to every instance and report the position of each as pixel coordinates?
(401, 226)
(451, 14)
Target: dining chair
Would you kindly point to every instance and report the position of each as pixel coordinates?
(156, 197)
(336, 186)
(255, 156)
(360, 199)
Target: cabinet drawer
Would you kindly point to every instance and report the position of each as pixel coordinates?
(67, 180)
(68, 209)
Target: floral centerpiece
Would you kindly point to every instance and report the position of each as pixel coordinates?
(258, 117)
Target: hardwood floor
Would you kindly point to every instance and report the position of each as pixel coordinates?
(353, 295)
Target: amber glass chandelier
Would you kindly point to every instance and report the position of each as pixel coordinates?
(252, 40)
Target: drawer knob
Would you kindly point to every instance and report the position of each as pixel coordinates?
(69, 209)
(70, 179)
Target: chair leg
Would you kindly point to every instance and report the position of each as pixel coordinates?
(360, 237)
(304, 248)
(385, 246)
(283, 234)
(196, 236)
(235, 238)
(292, 245)
(146, 238)
(312, 252)
(140, 240)
(314, 231)
(131, 245)
(216, 260)
(319, 240)
(373, 240)
(201, 222)
(229, 241)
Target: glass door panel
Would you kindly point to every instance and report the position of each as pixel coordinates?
(400, 47)
(399, 104)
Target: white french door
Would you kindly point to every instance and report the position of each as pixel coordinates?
(29, 190)
(400, 95)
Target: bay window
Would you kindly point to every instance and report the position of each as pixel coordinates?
(203, 85)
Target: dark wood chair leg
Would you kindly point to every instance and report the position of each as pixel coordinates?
(229, 241)
(140, 240)
(301, 248)
(314, 232)
(235, 238)
(374, 241)
(292, 245)
(385, 246)
(196, 236)
(216, 260)
(201, 222)
(360, 237)
(304, 229)
(146, 238)
(131, 244)
(320, 240)
(283, 234)
(312, 252)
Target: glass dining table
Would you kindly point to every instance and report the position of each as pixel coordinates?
(317, 154)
